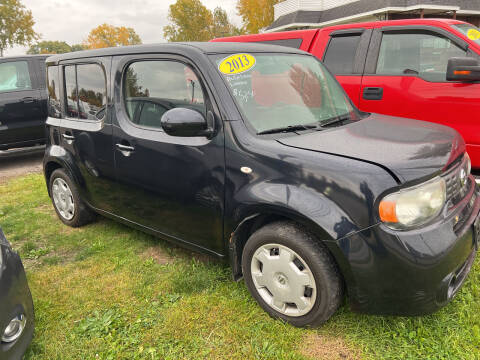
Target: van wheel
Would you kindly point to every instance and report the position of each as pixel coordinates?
(66, 200)
(291, 275)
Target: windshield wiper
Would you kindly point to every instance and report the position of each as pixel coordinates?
(286, 129)
(335, 120)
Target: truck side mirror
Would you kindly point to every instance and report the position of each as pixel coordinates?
(187, 123)
(464, 69)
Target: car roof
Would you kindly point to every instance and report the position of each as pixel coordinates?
(39, 56)
(202, 47)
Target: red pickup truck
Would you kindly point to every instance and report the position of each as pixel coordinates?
(401, 68)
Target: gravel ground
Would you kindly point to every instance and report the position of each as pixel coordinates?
(20, 162)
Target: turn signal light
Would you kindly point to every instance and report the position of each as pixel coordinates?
(387, 211)
(462, 72)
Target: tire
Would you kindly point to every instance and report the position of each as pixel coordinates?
(75, 216)
(291, 274)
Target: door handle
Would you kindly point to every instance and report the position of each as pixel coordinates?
(126, 150)
(28, 100)
(373, 93)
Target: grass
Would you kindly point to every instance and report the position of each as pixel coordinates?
(106, 291)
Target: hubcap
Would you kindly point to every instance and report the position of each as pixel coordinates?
(283, 280)
(63, 199)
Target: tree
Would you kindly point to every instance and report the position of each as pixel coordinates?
(106, 35)
(256, 14)
(49, 47)
(221, 26)
(192, 21)
(77, 47)
(16, 25)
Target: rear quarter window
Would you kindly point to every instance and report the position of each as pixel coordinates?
(340, 55)
(53, 87)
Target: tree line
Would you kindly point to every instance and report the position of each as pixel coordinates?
(190, 20)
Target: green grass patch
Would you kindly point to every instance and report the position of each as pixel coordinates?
(106, 291)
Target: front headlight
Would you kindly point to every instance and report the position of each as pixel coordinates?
(413, 206)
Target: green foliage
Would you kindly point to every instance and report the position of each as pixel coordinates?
(49, 47)
(192, 21)
(53, 47)
(77, 47)
(116, 302)
(16, 25)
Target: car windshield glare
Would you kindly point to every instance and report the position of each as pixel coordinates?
(284, 91)
(470, 31)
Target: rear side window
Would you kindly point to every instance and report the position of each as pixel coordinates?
(15, 76)
(417, 54)
(293, 43)
(340, 55)
(151, 88)
(86, 92)
(53, 81)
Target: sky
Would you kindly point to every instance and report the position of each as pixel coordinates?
(72, 20)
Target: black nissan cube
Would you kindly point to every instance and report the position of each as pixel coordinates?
(254, 153)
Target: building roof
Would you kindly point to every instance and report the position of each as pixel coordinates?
(350, 10)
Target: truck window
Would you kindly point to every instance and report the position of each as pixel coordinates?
(340, 55)
(151, 88)
(416, 54)
(293, 43)
(15, 76)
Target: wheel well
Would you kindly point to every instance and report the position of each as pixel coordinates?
(49, 169)
(248, 227)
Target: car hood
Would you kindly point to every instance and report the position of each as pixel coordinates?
(409, 149)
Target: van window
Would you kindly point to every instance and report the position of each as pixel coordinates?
(417, 54)
(92, 91)
(15, 76)
(151, 88)
(53, 81)
(293, 43)
(86, 91)
(71, 91)
(340, 55)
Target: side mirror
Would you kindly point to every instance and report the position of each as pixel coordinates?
(463, 69)
(187, 123)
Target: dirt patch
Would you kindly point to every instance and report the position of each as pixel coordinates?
(321, 347)
(15, 163)
(158, 255)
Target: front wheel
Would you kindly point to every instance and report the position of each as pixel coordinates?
(291, 275)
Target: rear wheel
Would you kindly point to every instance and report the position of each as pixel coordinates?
(291, 275)
(66, 200)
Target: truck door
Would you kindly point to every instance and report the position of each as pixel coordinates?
(405, 76)
(21, 115)
(345, 57)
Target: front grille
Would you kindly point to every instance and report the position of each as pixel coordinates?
(458, 182)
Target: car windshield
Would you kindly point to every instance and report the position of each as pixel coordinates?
(470, 31)
(284, 91)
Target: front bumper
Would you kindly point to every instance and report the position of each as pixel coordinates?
(15, 299)
(411, 272)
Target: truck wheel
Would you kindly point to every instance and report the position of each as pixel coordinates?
(291, 275)
(67, 203)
